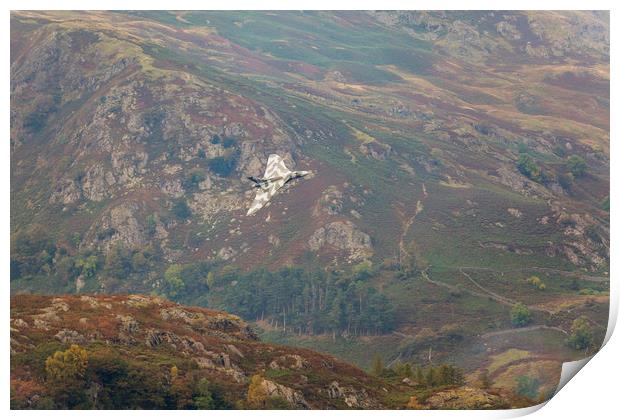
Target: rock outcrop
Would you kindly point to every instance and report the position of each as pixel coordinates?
(344, 236)
(198, 343)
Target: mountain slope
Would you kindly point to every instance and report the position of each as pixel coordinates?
(461, 165)
(139, 132)
(150, 334)
(145, 352)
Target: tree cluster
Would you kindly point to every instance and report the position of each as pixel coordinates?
(309, 302)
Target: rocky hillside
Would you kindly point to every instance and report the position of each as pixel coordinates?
(145, 352)
(460, 197)
(136, 338)
(136, 130)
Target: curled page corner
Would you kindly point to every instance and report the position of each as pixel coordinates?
(570, 369)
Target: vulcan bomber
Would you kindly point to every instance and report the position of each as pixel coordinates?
(277, 175)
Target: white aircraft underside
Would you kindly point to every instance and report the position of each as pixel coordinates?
(276, 176)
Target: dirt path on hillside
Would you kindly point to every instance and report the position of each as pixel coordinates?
(407, 222)
(586, 277)
(486, 293)
(489, 292)
(522, 329)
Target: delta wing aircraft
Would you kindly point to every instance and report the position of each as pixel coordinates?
(276, 176)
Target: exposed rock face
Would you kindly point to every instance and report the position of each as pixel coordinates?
(586, 243)
(273, 389)
(289, 361)
(70, 337)
(515, 212)
(473, 41)
(517, 182)
(376, 150)
(465, 398)
(353, 398)
(343, 236)
(136, 124)
(226, 253)
(128, 324)
(120, 226)
(331, 201)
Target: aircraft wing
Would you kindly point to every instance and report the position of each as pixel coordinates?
(275, 167)
(264, 194)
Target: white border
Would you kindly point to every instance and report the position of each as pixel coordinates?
(592, 395)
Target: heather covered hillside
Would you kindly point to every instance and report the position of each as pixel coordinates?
(133, 351)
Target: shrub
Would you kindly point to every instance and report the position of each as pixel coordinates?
(528, 167)
(67, 366)
(193, 179)
(527, 386)
(174, 282)
(581, 337)
(223, 165)
(566, 181)
(536, 282)
(520, 315)
(229, 142)
(203, 399)
(181, 210)
(256, 393)
(577, 166)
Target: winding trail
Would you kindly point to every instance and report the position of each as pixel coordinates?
(522, 329)
(586, 277)
(498, 297)
(485, 292)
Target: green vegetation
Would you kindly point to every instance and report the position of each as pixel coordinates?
(536, 282)
(37, 119)
(122, 383)
(181, 210)
(577, 166)
(304, 301)
(67, 366)
(37, 260)
(520, 315)
(528, 387)
(581, 337)
(193, 179)
(528, 167)
(222, 166)
(485, 379)
(443, 375)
